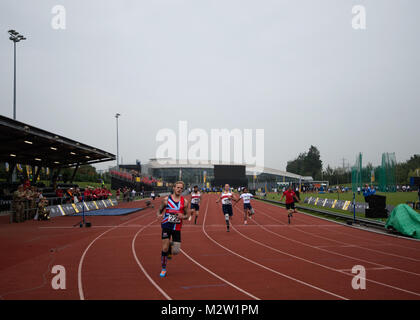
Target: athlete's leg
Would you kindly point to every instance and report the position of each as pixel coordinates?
(245, 215)
(252, 212)
(227, 221)
(164, 255)
(192, 213)
(176, 247)
(196, 216)
(170, 249)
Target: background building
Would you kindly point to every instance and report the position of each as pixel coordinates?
(203, 174)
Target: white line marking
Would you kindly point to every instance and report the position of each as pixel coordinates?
(217, 276)
(267, 268)
(321, 265)
(344, 243)
(367, 269)
(79, 271)
(133, 248)
(355, 227)
(377, 282)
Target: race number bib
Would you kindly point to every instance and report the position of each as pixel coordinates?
(173, 219)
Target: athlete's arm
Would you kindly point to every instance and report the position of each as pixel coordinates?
(162, 207)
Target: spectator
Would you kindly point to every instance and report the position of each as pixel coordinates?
(126, 194)
(133, 194)
(372, 190)
(43, 212)
(117, 193)
(59, 194)
(418, 192)
(69, 195)
(76, 195)
(18, 204)
(86, 194)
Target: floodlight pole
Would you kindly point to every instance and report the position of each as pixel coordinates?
(15, 37)
(14, 82)
(118, 153)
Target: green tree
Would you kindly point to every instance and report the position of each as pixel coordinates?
(313, 163)
(307, 164)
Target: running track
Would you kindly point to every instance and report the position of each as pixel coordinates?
(119, 258)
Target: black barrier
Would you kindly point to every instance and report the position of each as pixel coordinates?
(100, 204)
(91, 205)
(79, 206)
(68, 209)
(73, 208)
(55, 211)
(345, 205)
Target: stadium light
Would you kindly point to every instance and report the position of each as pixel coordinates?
(118, 153)
(15, 37)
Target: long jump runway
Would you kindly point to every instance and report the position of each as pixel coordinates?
(119, 258)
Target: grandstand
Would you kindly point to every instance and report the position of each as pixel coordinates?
(25, 145)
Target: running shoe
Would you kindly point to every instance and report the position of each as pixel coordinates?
(189, 219)
(245, 222)
(163, 273)
(169, 256)
(227, 228)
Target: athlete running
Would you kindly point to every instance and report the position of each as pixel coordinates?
(290, 201)
(248, 210)
(195, 204)
(173, 209)
(226, 197)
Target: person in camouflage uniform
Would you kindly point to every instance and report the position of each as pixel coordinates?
(43, 211)
(33, 202)
(18, 204)
(27, 203)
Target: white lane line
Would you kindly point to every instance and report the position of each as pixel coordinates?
(133, 248)
(340, 242)
(79, 271)
(324, 266)
(219, 277)
(357, 228)
(216, 275)
(267, 268)
(367, 269)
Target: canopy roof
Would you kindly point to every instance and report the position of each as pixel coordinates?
(25, 144)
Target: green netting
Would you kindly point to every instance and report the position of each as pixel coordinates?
(383, 176)
(361, 176)
(387, 173)
(405, 220)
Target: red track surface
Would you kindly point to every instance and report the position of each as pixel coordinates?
(119, 258)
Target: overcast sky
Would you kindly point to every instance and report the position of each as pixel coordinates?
(296, 69)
